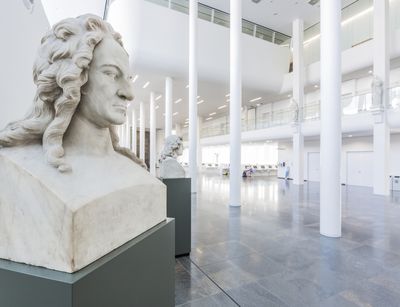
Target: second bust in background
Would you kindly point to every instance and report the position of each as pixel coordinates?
(169, 166)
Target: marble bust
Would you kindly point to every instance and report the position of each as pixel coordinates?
(169, 166)
(294, 108)
(377, 94)
(69, 193)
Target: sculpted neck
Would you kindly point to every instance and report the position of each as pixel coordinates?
(85, 138)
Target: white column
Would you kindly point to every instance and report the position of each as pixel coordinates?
(168, 106)
(331, 138)
(381, 71)
(193, 8)
(235, 174)
(298, 97)
(134, 131)
(153, 143)
(127, 133)
(178, 129)
(142, 132)
(199, 150)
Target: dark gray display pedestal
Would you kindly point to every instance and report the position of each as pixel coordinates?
(179, 207)
(139, 273)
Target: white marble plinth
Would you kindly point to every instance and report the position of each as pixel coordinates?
(65, 221)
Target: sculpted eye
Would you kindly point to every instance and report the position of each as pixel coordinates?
(111, 74)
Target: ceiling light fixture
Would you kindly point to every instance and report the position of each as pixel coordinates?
(200, 102)
(146, 84)
(208, 118)
(157, 107)
(213, 113)
(158, 97)
(227, 95)
(289, 95)
(343, 23)
(221, 107)
(178, 100)
(187, 86)
(316, 85)
(135, 78)
(255, 99)
(176, 113)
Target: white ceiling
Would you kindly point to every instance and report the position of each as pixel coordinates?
(274, 14)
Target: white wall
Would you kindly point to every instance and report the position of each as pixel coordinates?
(157, 37)
(20, 32)
(364, 144)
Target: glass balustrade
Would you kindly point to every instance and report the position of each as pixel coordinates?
(351, 105)
(221, 18)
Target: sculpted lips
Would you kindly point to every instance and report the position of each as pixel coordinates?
(120, 107)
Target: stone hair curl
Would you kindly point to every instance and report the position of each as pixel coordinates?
(60, 70)
(171, 145)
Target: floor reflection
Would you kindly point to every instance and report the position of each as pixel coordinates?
(269, 251)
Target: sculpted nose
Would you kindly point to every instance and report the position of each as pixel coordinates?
(126, 93)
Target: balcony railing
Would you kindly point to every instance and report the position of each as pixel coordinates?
(222, 18)
(351, 104)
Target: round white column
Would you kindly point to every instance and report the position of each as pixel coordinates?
(193, 8)
(142, 132)
(235, 174)
(134, 132)
(168, 106)
(331, 131)
(153, 150)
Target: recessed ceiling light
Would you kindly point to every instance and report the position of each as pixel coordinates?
(201, 101)
(316, 85)
(176, 113)
(370, 72)
(350, 136)
(258, 104)
(289, 95)
(221, 107)
(158, 97)
(228, 100)
(178, 100)
(255, 99)
(213, 113)
(198, 97)
(135, 78)
(208, 118)
(227, 95)
(146, 84)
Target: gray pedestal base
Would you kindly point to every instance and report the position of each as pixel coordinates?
(179, 207)
(139, 273)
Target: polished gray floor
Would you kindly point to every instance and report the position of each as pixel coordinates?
(269, 251)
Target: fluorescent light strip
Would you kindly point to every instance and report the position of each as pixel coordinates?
(187, 86)
(135, 78)
(221, 107)
(176, 113)
(200, 102)
(208, 118)
(343, 23)
(198, 97)
(157, 107)
(227, 95)
(256, 99)
(146, 84)
(213, 113)
(158, 97)
(178, 100)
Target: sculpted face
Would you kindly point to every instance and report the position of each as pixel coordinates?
(105, 97)
(179, 151)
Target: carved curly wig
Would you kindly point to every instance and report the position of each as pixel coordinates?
(59, 72)
(171, 145)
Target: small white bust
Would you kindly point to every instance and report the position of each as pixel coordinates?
(377, 93)
(83, 194)
(169, 167)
